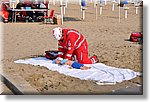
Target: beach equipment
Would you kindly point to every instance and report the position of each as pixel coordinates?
(51, 54)
(99, 73)
(136, 36)
(50, 17)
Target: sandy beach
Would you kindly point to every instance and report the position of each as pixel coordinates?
(107, 38)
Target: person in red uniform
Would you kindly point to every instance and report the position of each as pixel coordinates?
(72, 45)
(4, 13)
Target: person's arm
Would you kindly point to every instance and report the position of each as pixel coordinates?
(70, 47)
(60, 50)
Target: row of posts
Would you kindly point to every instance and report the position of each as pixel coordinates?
(114, 2)
(63, 6)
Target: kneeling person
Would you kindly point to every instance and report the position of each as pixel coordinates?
(73, 45)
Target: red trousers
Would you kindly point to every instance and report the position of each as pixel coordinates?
(81, 54)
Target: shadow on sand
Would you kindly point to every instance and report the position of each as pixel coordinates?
(71, 19)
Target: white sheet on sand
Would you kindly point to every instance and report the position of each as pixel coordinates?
(99, 72)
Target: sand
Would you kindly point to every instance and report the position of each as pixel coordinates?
(107, 38)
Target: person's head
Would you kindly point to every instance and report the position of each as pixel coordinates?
(57, 33)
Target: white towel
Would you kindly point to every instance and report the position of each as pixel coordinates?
(99, 72)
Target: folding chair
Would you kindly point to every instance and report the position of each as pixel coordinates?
(49, 19)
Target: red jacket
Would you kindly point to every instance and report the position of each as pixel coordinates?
(3, 7)
(71, 42)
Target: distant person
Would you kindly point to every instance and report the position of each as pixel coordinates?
(19, 5)
(20, 15)
(4, 12)
(72, 45)
(42, 5)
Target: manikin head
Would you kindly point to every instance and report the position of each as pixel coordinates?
(57, 33)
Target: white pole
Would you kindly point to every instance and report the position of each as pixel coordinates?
(64, 9)
(101, 9)
(119, 11)
(83, 14)
(60, 2)
(66, 2)
(53, 2)
(126, 13)
(113, 7)
(36, 1)
(91, 1)
(105, 2)
(61, 11)
(44, 1)
(49, 4)
(79, 2)
(48, 7)
(136, 9)
(13, 5)
(95, 3)
(96, 11)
